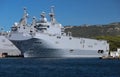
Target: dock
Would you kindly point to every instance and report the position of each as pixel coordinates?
(110, 57)
(5, 55)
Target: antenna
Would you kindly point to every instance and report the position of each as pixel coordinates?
(25, 10)
(23, 20)
(34, 21)
(52, 9)
(43, 14)
(52, 12)
(52, 15)
(34, 17)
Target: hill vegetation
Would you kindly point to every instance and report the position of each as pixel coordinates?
(109, 32)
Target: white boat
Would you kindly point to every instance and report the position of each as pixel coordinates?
(45, 38)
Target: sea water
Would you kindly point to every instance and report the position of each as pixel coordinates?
(59, 67)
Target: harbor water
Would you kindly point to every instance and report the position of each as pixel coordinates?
(60, 67)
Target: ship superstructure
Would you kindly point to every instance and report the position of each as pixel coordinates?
(45, 38)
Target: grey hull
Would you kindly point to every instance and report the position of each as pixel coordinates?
(31, 48)
(59, 53)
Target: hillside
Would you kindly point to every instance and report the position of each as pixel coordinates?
(92, 31)
(109, 32)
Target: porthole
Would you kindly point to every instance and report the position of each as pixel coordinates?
(48, 26)
(70, 38)
(71, 50)
(100, 51)
(58, 37)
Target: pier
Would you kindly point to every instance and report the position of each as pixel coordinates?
(5, 55)
(110, 57)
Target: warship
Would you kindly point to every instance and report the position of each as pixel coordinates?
(47, 39)
(7, 48)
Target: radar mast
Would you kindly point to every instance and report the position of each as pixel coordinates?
(23, 21)
(52, 15)
(43, 18)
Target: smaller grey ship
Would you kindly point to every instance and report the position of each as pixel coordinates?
(7, 48)
(45, 38)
